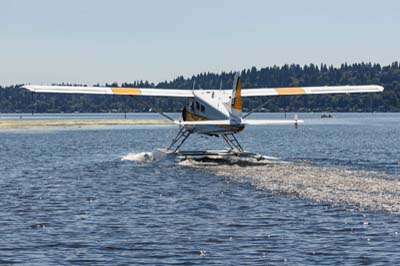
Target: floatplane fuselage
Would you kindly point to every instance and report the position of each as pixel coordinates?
(211, 112)
(214, 105)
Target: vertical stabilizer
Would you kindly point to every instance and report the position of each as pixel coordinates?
(236, 101)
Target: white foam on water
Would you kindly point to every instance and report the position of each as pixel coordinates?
(155, 155)
(362, 189)
(138, 157)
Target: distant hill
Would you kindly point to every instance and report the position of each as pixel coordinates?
(14, 99)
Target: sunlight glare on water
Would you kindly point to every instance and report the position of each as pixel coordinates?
(363, 189)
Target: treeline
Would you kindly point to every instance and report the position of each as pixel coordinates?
(14, 99)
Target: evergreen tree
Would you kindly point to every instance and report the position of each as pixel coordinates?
(15, 99)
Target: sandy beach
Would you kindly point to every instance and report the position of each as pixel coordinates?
(40, 124)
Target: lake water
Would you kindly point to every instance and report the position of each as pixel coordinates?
(101, 196)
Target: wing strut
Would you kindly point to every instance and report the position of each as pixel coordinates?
(33, 100)
(255, 109)
(158, 111)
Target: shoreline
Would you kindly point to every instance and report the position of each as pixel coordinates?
(39, 124)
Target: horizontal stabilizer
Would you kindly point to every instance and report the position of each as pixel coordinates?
(242, 122)
(270, 122)
(205, 123)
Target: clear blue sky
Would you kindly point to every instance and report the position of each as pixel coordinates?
(46, 41)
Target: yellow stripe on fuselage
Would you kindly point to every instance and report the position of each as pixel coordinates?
(126, 91)
(193, 117)
(290, 91)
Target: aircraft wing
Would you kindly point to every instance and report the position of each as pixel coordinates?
(189, 93)
(310, 90)
(110, 90)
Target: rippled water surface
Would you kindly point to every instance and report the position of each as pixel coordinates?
(100, 196)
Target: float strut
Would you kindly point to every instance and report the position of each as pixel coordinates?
(180, 138)
(232, 141)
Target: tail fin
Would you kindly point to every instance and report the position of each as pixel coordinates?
(236, 101)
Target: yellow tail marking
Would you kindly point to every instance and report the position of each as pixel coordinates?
(126, 91)
(290, 91)
(238, 103)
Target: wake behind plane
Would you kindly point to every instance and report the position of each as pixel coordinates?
(212, 112)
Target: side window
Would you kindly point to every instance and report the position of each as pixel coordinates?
(203, 109)
(197, 106)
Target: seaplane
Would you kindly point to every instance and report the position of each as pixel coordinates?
(216, 112)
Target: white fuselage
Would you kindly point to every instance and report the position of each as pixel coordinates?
(211, 105)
